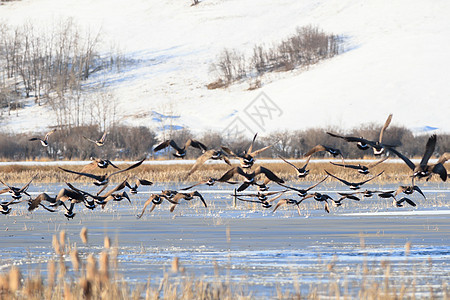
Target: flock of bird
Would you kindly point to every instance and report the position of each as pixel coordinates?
(248, 176)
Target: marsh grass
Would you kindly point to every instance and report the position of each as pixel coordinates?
(72, 274)
(393, 172)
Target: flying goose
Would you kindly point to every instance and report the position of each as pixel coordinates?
(354, 185)
(104, 179)
(15, 191)
(44, 142)
(320, 198)
(209, 182)
(364, 144)
(423, 169)
(287, 201)
(154, 199)
(399, 203)
(246, 159)
(361, 168)
(72, 196)
(108, 196)
(318, 148)
(98, 163)
(250, 177)
(100, 142)
(185, 196)
(137, 183)
(304, 192)
(36, 202)
(210, 154)
(301, 172)
(408, 190)
(180, 152)
(262, 198)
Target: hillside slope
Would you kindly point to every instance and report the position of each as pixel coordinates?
(396, 61)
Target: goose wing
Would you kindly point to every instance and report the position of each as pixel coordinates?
(93, 176)
(386, 124)
(315, 149)
(269, 174)
(429, 149)
(200, 161)
(408, 162)
(128, 168)
(376, 163)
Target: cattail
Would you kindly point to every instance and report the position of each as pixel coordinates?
(107, 242)
(104, 265)
(407, 248)
(86, 287)
(83, 235)
(91, 268)
(62, 239)
(14, 279)
(56, 245)
(175, 265)
(75, 259)
(51, 272)
(67, 292)
(62, 268)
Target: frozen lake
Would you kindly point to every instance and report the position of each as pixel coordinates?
(247, 244)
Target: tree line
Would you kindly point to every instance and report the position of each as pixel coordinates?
(125, 142)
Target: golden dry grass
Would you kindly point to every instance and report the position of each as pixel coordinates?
(393, 172)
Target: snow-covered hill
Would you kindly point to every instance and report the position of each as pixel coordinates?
(396, 61)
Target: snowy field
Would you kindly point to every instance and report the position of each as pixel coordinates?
(395, 61)
(250, 245)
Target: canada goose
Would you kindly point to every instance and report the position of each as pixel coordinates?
(408, 190)
(100, 142)
(69, 210)
(180, 152)
(137, 183)
(185, 196)
(98, 163)
(399, 203)
(250, 177)
(262, 198)
(423, 169)
(108, 196)
(44, 142)
(15, 191)
(209, 182)
(361, 168)
(350, 196)
(73, 196)
(321, 198)
(247, 158)
(36, 202)
(304, 192)
(210, 154)
(287, 201)
(301, 172)
(354, 185)
(5, 209)
(344, 196)
(5, 206)
(103, 179)
(333, 151)
(363, 144)
(154, 199)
